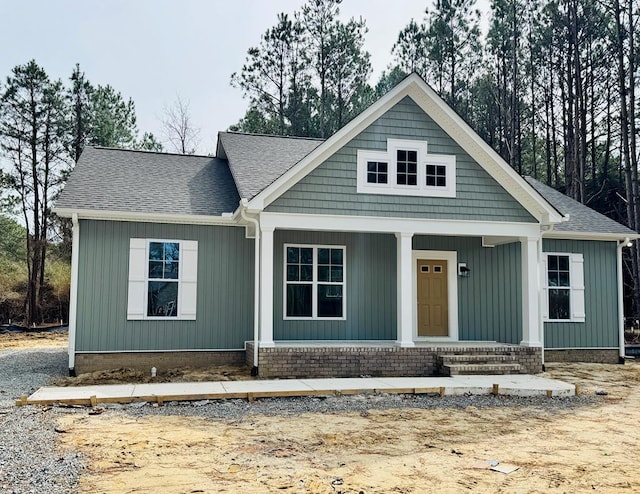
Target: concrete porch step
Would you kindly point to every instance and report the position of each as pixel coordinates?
(469, 369)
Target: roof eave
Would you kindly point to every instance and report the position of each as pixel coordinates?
(590, 235)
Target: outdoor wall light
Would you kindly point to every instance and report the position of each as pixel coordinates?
(463, 270)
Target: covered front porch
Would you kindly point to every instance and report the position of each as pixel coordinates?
(487, 304)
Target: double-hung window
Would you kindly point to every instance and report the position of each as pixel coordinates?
(314, 286)
(162, 279)
(564, 287)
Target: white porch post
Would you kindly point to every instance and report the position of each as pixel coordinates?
(405, 290)
(266, 287)
(530, 292)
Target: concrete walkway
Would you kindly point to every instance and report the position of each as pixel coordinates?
(515, 385)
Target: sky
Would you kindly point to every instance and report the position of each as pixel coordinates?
(154, 51)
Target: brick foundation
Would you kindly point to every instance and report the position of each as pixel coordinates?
(91, 362)
(389, 361)
(602, 356)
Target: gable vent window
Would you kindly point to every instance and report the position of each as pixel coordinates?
(405, 168)
(436, 176)
(377, 172)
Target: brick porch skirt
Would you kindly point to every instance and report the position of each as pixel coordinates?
(353, 360)
(589, 355)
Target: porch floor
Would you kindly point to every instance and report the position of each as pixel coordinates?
(514, 385)
(460, 345)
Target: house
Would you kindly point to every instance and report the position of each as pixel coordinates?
(401, 245)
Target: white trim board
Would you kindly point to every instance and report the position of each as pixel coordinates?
(418, 226)
(452, 292)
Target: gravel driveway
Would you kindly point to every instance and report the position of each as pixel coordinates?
(29, 462)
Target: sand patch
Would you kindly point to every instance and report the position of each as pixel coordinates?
(381, 451)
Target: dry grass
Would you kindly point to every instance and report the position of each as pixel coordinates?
(34, 339)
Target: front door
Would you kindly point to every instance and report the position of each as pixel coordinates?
(433, 306)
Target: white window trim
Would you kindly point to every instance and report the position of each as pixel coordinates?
(451, 258)
(390, 157)
(139, 280)
(576, 287)
(314, 283)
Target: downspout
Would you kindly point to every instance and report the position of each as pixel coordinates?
(256, 288)
(619, 248)
(73, 299)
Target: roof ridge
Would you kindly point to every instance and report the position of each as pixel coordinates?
(149, 151)
(273, 135)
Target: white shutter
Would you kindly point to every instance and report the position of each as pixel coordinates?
(188, 279)
(577, 287)
(544, 283)
(137, 278)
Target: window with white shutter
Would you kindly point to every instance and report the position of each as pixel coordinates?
(563, 288)
(162, 279)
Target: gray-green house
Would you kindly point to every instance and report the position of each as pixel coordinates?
(401, 245)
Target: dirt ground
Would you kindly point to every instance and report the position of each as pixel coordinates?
(587, 448)
(33, 339)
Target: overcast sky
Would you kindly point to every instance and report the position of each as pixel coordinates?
(154, 50)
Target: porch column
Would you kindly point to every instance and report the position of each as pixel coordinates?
(404, 288)
(266, 287)
(531, 327)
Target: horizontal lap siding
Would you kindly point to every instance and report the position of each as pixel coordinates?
(370, 288)
(600, 328)
(490, 299)
(331, 188)
(225, 289)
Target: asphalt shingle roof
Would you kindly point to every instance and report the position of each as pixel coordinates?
(582, 219)
(256, 160)
(147, 182)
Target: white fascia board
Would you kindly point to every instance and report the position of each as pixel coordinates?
(610, 237)
(482, 153)
(186, 219)
(319, 222)
(331, 145)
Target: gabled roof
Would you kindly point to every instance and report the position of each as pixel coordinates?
(582, 219)
(257, 160)
(118, 180)
(426, 98)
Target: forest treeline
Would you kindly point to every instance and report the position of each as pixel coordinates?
(44, 125)
(550, 86)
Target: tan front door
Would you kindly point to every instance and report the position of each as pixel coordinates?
(433, 306)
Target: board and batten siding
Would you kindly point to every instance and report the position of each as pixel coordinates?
(370, 288)
(224, 317)
(490, 298)
(600, 329)
(331, 187)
